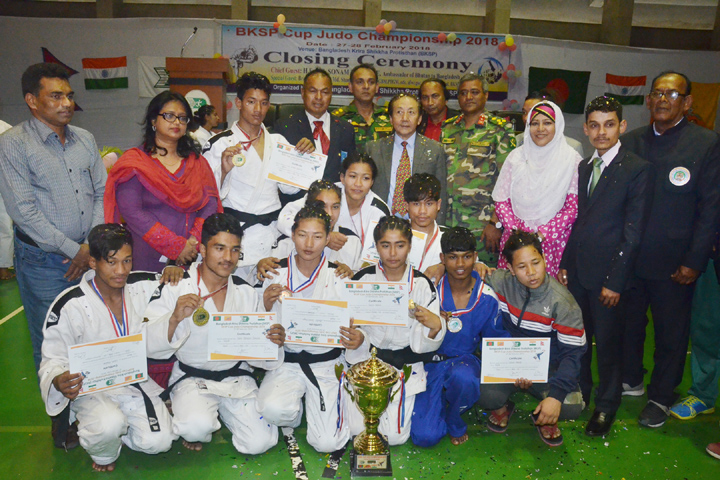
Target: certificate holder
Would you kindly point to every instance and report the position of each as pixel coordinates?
(241, 336)
(504, 360)
(370, 255)
(378, 303)
(295, 169)
(308, 321)
(110, 363)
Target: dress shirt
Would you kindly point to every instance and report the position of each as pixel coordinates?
(53, 192)
(433, 130)
(397, 153)
(326, 127)
(606, 158)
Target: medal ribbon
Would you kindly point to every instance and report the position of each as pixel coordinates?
(457, 313)
(209, 294)
(246, 144)
(427, 248)
(120, 326)
(313, 276)
(401, 407)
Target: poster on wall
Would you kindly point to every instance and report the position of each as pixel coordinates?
(403, 58)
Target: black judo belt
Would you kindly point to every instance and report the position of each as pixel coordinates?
(400, 358)
(248, 219)
(304, 359)
(149, 409)
(214, 375)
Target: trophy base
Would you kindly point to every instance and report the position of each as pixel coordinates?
(370, 465)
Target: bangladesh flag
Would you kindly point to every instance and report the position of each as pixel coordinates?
(105, 73)
(627, 90)
(567, 87)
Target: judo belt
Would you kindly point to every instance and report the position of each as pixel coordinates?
(304, 359)
(214, 375)
(249, 220)
(399, 358)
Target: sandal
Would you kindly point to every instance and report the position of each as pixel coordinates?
(494, 421)
(550, 430)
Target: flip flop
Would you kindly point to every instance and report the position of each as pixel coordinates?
(552, 442)
(495, 427)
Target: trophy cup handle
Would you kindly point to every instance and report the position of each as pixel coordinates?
(339, 368)
(407, 371)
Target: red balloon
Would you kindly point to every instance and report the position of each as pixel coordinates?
(276, 25)
(380, 29)
(442, 37)
(502, 47)
(511, 67)
(512, 48)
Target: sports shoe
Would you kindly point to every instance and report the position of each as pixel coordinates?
(636, 391)
(690, 407)
(653, 415)
(714, 450)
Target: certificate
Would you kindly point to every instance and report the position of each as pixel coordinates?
(109, 364)
(504, 360)
(378, 303)
(296, 169)
(241, 336)
(314, 322)
(370, 255)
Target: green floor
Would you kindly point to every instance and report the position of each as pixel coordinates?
(676, 451)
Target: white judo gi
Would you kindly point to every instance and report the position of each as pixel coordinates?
(414, 335)
(196, 401)
(246, 190)
(281, 392)
(106, 419)
(431, 248)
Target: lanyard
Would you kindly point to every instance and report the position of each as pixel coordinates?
(120, 326)
(307, 283)
(411, 274)
(247, 143)
(457, 313)
(427, 247)
(209, 294)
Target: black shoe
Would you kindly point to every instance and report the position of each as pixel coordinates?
(653, 415)
(69, 440)
(599, 424)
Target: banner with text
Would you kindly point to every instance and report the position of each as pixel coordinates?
(403, 58)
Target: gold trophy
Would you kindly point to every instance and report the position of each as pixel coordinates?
(371, 382)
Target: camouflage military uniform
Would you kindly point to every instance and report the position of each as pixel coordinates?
(475, 156)
(364, 132)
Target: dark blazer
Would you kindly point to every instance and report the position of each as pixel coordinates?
(428, 157)
(342, 139)
(606, 236)
(686, 198)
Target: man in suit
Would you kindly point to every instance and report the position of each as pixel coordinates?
(614, 198)
(677, 242)
(405, 153)
(334, 137)
(433, 97)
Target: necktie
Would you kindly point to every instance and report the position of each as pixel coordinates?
(403, 173)
(595, 175)
(320, 133)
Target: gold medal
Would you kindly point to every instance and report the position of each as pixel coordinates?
(283, 294)
(239, 159)
(201, 317)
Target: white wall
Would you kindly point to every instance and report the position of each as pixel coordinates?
(113, 116)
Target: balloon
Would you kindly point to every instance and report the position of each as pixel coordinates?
(217, 55)
(517, 73)
(379, 29)
(505, 75)
(383, 21)
(282, 29)
(394, 24)
(387, 28)
(506, 104)
(281, 19)
(276, 25)
(502, 47)
(516, 106)
(509, 40)
(442, 37)
(451, 37)
(512, 48)
(511, 67)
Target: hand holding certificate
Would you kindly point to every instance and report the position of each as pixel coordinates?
(378, 303)
(505, 360)
(241, 336)
(109, 364)
(314, 322)
(290, 167)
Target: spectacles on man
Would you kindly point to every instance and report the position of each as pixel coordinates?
(170, 118)
(669, 94)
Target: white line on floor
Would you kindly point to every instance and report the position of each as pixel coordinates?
(11, 315)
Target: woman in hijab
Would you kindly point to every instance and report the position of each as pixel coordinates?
(538, 185)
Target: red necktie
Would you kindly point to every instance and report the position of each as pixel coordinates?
(320, 133)
(399, 205)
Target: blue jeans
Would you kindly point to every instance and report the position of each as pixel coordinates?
(40, 281)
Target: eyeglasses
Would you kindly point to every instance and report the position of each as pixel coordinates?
(669, 94)
(170, 118)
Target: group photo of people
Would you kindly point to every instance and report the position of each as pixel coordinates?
(498, 224)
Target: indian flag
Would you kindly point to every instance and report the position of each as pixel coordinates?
(627, 90)
(104, 73)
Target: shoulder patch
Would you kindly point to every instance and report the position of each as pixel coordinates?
(60, 302)
(380, 205)
(347, 231)
(369, 270)
(215, 138)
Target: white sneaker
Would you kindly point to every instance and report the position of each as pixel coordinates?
(636, 391)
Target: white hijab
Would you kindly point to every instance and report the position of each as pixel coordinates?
(538, 179)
